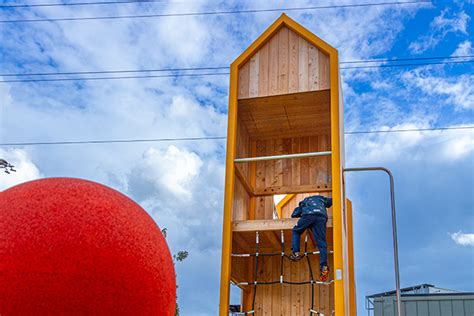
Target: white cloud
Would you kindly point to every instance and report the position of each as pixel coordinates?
(464, 49)
(432, 146)
(360, 38)
(26, 170)
(463, 239)
(5, 97)
(458, 90)
(171, 170)
(442, 25)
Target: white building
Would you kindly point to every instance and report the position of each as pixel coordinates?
(422, 300)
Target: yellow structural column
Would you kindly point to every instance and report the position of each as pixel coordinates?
(228, 194)
(337, 186)
(351, 272)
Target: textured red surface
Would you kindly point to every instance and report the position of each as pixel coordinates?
(70, 246)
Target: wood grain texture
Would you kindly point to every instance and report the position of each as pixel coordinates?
(243, 85)
(242, 189)
(286, 63)
(308, 188)
(277, 225)
(281, 299)
(264, 69)
(285, 116)
(283, 61)
(283, 108)
(287, 103)
(273, 66)
(254, 74)
(293, 62)
(299, 174)
(241, 202)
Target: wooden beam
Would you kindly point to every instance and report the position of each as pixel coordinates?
(309, 188)
(244, 181)
(267, 224)
(264, 224)
(321, 96)
(277, 134)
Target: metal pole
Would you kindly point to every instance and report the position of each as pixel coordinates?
(262, 158)
(394, 227)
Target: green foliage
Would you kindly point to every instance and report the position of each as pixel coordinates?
(180, 256)
(177, 257)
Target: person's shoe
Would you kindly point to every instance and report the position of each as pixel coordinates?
(324, 276)
(295, 256)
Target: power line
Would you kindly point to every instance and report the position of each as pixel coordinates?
(382, 60)
(214, 12)
(210, 67)
(215, 74)
(143, 140)
(409, 130)
(409, 65)
(118, 77)
(117, 71)
(82, 3)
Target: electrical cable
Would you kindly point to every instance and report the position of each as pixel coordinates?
(83, 3)
(211, 67)
(215, 74)
(187, 14)
(214, 137)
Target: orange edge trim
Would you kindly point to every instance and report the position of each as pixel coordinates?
(282, 203)
(283, 20)
(228, 195)
(336, 186)
(352, 287)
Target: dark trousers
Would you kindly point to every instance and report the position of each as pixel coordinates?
(317, 225)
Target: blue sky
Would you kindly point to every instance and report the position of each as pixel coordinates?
(433, 170)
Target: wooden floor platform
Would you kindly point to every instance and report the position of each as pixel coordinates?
(244, 235)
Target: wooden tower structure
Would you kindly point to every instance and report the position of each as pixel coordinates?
(285, 137)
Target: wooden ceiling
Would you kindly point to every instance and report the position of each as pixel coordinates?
(287, 115)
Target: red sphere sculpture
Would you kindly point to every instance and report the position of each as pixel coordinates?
(70, 246)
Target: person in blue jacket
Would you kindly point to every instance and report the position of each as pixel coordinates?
(313, 215)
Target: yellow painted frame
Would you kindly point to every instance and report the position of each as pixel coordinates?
(283, 202)
(284, 20)
(350, 231)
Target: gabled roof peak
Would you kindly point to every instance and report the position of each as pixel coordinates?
(285, 20)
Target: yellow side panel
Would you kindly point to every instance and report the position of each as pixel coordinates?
(352, 286)
(228, 195)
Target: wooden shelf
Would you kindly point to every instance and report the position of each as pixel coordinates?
(268, 224)
(308, 188)
(264, 224)
(244, 233)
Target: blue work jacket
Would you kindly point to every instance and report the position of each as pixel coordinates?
(311, 205)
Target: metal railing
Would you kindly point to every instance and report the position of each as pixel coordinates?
(394, 226)
(289, 156)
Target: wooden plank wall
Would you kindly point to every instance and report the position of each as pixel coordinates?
(241, 197)
(285, 299)
(287, 63)
(290, 172)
